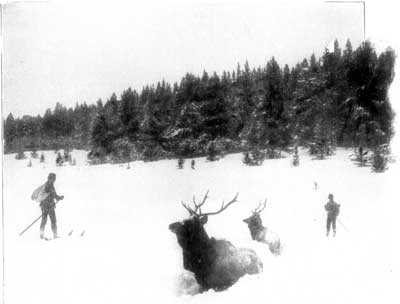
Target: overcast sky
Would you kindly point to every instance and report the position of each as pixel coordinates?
(69, 53)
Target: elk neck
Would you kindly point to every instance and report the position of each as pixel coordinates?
(255, 228)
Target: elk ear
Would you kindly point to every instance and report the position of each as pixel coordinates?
(204, 219)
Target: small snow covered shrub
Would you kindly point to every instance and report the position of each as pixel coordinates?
(253, 158)
(246, 158)
(226, 145)
(380, 158)
(187, 147)
(123, 150)
(273, 153)
(201, 144)
(59, 159)
(96, 157)
(66, 156)
(153, 152)
(213, 151)
(217, 148)
(20, 155)
(320, 149)
(34, 154)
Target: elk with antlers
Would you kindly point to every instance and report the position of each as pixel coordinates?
(262, 234)
(216, 264)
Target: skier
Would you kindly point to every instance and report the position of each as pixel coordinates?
(48, 205)
(333, 209)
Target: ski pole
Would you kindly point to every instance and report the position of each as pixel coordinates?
(30, 225)
(345, 228)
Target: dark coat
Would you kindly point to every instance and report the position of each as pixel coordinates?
(49, 201)
(332, 208)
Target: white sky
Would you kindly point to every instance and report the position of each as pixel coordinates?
(68, 53)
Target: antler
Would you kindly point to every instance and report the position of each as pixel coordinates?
(191, 211)
(197, 207)
(223, 206)
(259, 205)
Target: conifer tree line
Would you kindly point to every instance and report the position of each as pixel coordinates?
(339, 99)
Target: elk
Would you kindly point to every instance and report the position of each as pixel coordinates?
(216, 264)
(262, 234)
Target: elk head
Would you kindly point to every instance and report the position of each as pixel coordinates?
(254, 221)
(192, 236)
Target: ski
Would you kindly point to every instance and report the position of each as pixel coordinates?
(67, 235)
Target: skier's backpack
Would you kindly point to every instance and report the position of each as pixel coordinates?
(337, 209)
(39, 194)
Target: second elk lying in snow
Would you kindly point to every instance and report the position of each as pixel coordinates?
(263, 234)
(216, 264)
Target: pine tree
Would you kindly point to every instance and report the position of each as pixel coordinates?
(101, 138)
(254, 138)
(214, 110)
(246, 158)
(10, 133)
(296, 159)
(362, 143)
(20, 152)
(151, 126)
(244, 90)
(340, 98)
(59, 159)
(287, 94)
(181, 162)
(380, 158)
(212, 151)
(320, 144)
(270, 125)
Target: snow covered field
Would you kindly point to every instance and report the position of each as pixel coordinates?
(128, 255)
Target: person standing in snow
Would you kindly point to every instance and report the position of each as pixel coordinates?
(48, 205)
(332, 209)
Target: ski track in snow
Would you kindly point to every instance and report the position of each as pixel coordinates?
(128, 255)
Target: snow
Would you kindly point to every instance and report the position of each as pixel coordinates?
(128, 255)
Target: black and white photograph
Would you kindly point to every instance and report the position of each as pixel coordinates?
(200, 152)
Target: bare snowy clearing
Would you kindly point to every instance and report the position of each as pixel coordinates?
(128, 254)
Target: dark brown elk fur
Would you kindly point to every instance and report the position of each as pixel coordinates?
(216, 264)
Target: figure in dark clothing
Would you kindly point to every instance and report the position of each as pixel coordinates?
(333, 209)
(48, 205)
